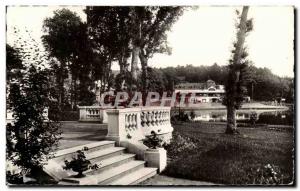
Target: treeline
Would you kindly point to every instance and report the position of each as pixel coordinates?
(266, 86)
(82, 53)
(79, 54)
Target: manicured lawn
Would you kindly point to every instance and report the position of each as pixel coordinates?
(201, 151)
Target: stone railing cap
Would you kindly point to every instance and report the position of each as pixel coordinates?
(124, 110)
(95, 107)
(136, 109)
(155, 108)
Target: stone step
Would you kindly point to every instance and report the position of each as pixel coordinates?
(95, 146)
(135, 177)
(104, 154)
(110, 163)
(107, 176)
(54, 166)
(120, 171)
(107, 164)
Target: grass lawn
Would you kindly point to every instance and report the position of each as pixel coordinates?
(201, 151)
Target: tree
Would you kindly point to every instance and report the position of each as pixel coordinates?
(13, 67)
(156, 79)
(29, 139)
(141, 31)
(66, 40)
(108, 30)
(149, 34)
(236, 83)
(13, 63)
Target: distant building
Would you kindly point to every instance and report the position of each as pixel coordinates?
(207, 92)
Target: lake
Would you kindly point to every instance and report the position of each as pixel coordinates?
(264, 116)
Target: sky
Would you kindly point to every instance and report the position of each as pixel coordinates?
(200, 37)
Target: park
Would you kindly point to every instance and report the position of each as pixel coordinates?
(73, 119)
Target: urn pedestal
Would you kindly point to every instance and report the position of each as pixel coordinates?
(156, 158)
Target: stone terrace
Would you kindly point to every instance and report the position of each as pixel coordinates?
(78, 133)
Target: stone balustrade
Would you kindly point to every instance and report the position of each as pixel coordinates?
(92, 113)
(133, 124)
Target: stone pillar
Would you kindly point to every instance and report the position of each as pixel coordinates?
(116, 125)
(156, 158)
(82, 113)
(104, 116)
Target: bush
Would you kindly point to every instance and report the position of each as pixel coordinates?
(179, 145)
(12, 178)
(30, 140)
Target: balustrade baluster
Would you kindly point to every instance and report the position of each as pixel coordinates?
(156, 118)
(148, 118)
(143, 119)
(130, 122)
(126, 122)
(135, 121)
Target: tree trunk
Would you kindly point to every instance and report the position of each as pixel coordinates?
(134, 63)
(231, 120)
(61, 87)
(241, 35)
(144, 64)
(75, 93)
(136, 42)
(234, 74)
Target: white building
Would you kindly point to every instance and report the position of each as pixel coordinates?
(207, 92)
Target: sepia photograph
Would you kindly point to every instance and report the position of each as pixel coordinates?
(150, 95)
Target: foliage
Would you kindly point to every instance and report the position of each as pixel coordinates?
(192, 115)
(150, 26)
(153, 141)
(265, 174)
(13, 63)
(123, 80)
(80, 164)
(156, 80)
(266, 85)
(12, 178)
(253, 118)
(60, 39)
(108, 30)
(119, 31)
(180, 144)
(66, 40)
(238, 66)
(181, 116)
(30, 140)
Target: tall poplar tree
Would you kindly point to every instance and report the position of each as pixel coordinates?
(237, 77)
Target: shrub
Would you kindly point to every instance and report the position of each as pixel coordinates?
(30, 140)
(153, 141)
(180, 144)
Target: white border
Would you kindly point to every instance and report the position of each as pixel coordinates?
(3, 4)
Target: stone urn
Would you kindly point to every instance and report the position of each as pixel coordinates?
(79, 164)
(80, 167)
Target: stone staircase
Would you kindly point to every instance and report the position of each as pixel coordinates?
(116, 167)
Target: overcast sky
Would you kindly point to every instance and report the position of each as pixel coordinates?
(200, 37)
